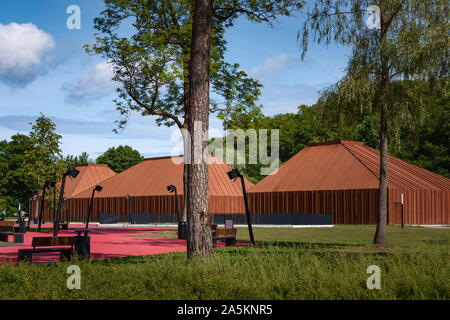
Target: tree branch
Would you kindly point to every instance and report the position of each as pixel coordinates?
(262, 14)
(315, 16)
(156, 112)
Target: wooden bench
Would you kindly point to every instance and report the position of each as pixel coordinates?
(6, 228)
(49, 244)
(7, 223)
(226, 235)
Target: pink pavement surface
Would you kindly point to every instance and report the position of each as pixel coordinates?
(106, 242)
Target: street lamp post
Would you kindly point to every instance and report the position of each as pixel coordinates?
(181, 224)
(132, 202)
(73, 173)
(97, 188)
(171, 189)
(402, 208)
(47, 185)
(35, 192)
(233, 175)
(19, 216)
(54, 194)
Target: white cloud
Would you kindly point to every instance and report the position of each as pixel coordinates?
(271, 65)
(95, 85)
(24, 52)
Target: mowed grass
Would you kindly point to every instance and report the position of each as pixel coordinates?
(325, 263)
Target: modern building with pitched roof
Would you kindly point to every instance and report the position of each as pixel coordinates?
(90, 175)
(146, 184)
(341, 178)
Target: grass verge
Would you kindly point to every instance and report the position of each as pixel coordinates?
(290, 264)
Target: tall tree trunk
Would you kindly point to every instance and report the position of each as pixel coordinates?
(380, 234)
(199, 240)
(186, 148)
(186, 143)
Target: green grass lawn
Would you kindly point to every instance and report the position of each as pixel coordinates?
(325, 263)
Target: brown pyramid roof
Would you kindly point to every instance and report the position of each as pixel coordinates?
(341, 165)
(89, 176)
(152, 176)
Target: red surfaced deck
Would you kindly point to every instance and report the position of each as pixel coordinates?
(106, 242)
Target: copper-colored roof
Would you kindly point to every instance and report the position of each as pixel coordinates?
(401, 174)
(89, 176)
(341, 165)
(152, 176)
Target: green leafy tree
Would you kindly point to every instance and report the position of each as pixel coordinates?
(72, 161)
(16, 181)
(28, 161)
(421, 140)
(42, 157)
(296, 130)
(408, 46)
(2, 203)
(205, 13)
(153, 64)
(427, 144)
(120, 158)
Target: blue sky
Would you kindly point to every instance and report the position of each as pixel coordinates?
(43, 69)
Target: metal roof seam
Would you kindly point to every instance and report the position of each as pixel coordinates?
(345, 146)
(84, 169)
(150, 177)
(323, 166)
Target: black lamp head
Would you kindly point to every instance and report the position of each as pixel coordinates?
(72, 172)
(171, 188)
(98, 188)
(234, 174)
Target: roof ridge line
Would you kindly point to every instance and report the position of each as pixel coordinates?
(360, 160)
(91, 164)
(75, 194)
(77, 182)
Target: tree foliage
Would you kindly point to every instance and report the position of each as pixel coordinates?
(120, 158)
(408, 46)
(27, 161)
(16, 180)
(423, 142)
(72, 161)
(151, 62)
(44, 149)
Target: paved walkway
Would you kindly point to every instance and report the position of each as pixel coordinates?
(105, 243)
